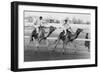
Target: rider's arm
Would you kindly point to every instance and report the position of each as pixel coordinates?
(70, 29)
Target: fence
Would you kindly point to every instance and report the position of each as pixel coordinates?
(54, 38)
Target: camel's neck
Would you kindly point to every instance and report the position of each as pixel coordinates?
(49, 34)
(76, 34)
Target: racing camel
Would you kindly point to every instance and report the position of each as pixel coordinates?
(37, 38)
(69, 37)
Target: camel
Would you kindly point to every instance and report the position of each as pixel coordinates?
(51, 30)
(69, 37)
(42, 36)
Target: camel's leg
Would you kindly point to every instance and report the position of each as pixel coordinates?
(29, 44)
(40, 40)
(64, 49)
(56, 43)
(47, 43)
(69, 44)
(30, 40)
(88, 48)
(75, 45)
(63, 44)
(37, 44)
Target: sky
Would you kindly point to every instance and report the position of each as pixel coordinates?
(59, 15)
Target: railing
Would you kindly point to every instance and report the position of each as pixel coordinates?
(54, 38)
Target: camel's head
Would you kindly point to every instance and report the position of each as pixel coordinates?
(52, 28)
(79, 30)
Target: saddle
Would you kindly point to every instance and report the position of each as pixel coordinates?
(69, 34)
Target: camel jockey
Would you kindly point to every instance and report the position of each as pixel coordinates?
(37, 24)
(66, 26)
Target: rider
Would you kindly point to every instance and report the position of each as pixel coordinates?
(37, 24)
(66, 26)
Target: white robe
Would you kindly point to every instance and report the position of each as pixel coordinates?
(37, 24)
(65, 27)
